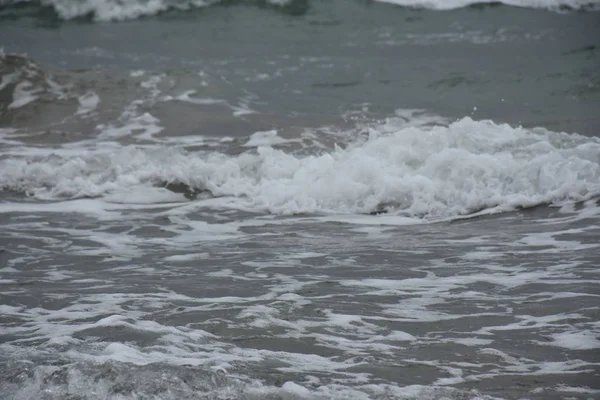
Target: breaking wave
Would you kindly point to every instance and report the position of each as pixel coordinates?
(425, 171)
(120, 10)
(541, 4)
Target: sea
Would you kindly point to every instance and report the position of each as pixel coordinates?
(299, 199)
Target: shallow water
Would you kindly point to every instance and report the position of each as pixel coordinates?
(309, 200)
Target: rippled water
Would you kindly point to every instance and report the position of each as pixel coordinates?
(299, 200)
(179, 301)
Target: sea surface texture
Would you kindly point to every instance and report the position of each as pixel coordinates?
(299, 199)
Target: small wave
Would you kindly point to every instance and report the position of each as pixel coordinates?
(581, 5)
(426, 172)
(121, 10)
(118, 10)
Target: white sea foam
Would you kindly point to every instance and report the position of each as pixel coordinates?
(186, 257)
(24, 94)
(238, 110)
(114, 10)
(265, 138)
(119, 10)
(433, 172)
(87, 103)
(144, 195)
(580, 340)
(279, 301)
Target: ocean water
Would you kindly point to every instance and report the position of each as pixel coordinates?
(302, 199)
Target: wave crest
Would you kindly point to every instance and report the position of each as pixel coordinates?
(118, 10)
(121, 10)
(430, 172)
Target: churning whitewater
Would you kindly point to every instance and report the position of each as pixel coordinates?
(433, 172)
(120, 10)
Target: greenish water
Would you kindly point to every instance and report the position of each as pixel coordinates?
(516, 65)
(310, 200)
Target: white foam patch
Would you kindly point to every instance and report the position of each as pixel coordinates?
(576, 389)
(546, 239)
(87, 103)
(266, 138)
(145, 125)
(144, 195)
(374, 231)
(187, 97)
(296, 390)
(8, 78)
(309, 254)
(92, 207)
(89, 207)
(187, 257)
(453, 4)
(395, 336)
(435, 172)
(580, 340)
(528, 322)
(238, 110)
(197, 227)
(24, 94)
(470, 341)
(242, 109)
(57, 275)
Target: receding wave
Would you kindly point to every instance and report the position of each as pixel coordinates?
(120, 10)
(431, 172)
